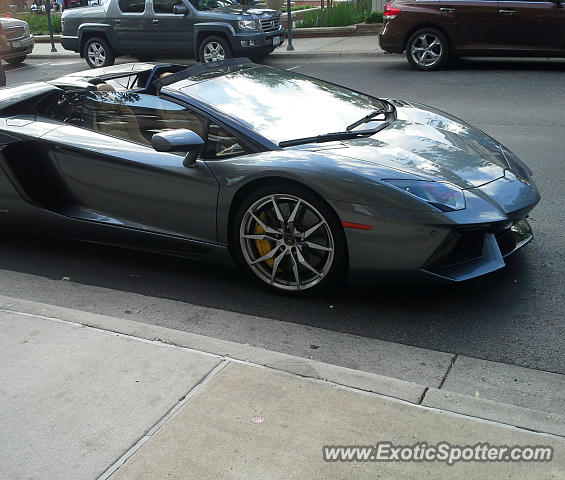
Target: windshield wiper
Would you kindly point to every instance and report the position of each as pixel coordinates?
(331, 137)
(375, 113)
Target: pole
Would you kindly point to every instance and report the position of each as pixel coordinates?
(289, 26)
(48, 7)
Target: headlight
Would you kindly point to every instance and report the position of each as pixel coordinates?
(247, 24)
(444, 196)
(26, 29)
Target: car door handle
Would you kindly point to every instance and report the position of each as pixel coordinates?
(507, 12)
(155, 21)
(117, 22)
(447, 10)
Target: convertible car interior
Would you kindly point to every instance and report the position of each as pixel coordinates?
(128, 106)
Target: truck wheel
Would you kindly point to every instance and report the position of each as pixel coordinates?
(98, 53)
(16, 60)
(214, 48)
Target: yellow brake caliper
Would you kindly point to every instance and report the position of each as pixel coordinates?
(263, 246)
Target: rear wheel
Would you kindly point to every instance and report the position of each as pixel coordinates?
(290, 239)
(98, 53)
(213, 49)
(427, 49)
(16, 60)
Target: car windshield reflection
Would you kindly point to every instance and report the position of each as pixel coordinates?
(282, 105)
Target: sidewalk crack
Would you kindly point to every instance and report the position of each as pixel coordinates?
(423, 395)
(448, 371)
(164, 419)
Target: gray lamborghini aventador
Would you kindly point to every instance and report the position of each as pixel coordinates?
(301, 182)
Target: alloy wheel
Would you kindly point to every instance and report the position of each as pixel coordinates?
(287, 242)
(214, 51)
(426, 50)
(96, 54)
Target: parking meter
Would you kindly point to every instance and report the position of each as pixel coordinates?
(48, 8)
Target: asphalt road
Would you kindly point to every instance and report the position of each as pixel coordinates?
(513, 316)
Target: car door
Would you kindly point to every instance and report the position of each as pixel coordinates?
(532, 26)
(107, 162)
(471, 25)
(172, 34)
(131, 28)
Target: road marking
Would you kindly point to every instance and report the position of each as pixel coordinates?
(294, 68)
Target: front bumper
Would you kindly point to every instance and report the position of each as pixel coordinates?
(467, 254)
(259, 43)
(18, 48)
(412, 246)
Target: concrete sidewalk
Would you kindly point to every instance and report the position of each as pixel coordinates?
(110, 401)
(324, 47)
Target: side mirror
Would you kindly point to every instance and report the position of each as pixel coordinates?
(180, 140)
(181, 9)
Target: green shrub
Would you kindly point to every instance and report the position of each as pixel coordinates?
(375, 17)
(38, 23)
(294, 8)
(339, 15)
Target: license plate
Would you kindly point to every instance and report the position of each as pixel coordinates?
(276, 41)
(16, 44)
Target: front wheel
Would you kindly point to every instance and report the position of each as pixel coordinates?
(213, 49)
(98, 53)
(290, 239)
(16, 60)
(427, 49)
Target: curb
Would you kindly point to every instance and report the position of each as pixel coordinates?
(53, 56)
(414, 393)
(328, 55)
(297, 55)
(47, 38)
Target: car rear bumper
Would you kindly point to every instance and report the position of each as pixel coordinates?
(392, 39)
(18, 48)
(70, 43)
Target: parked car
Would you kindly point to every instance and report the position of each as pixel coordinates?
(298, 181)
(203, 29)
(433, 31)
(20, 41)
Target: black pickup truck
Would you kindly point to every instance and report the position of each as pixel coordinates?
(207, 30)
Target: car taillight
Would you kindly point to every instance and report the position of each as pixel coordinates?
(390, 12)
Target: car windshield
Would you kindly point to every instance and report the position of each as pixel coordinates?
(281, 105)
(209, 4)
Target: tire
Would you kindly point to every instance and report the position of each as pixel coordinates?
(214, 48)
(427, 49)
(16, 60)
(297, 257)
(98, 53)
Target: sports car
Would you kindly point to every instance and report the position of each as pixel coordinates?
(300, 182)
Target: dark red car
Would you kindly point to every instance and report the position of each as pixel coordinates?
(433, 31)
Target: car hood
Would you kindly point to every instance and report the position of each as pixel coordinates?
(243, 9)
(432, 145)
(93, 11)
(11, 22)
